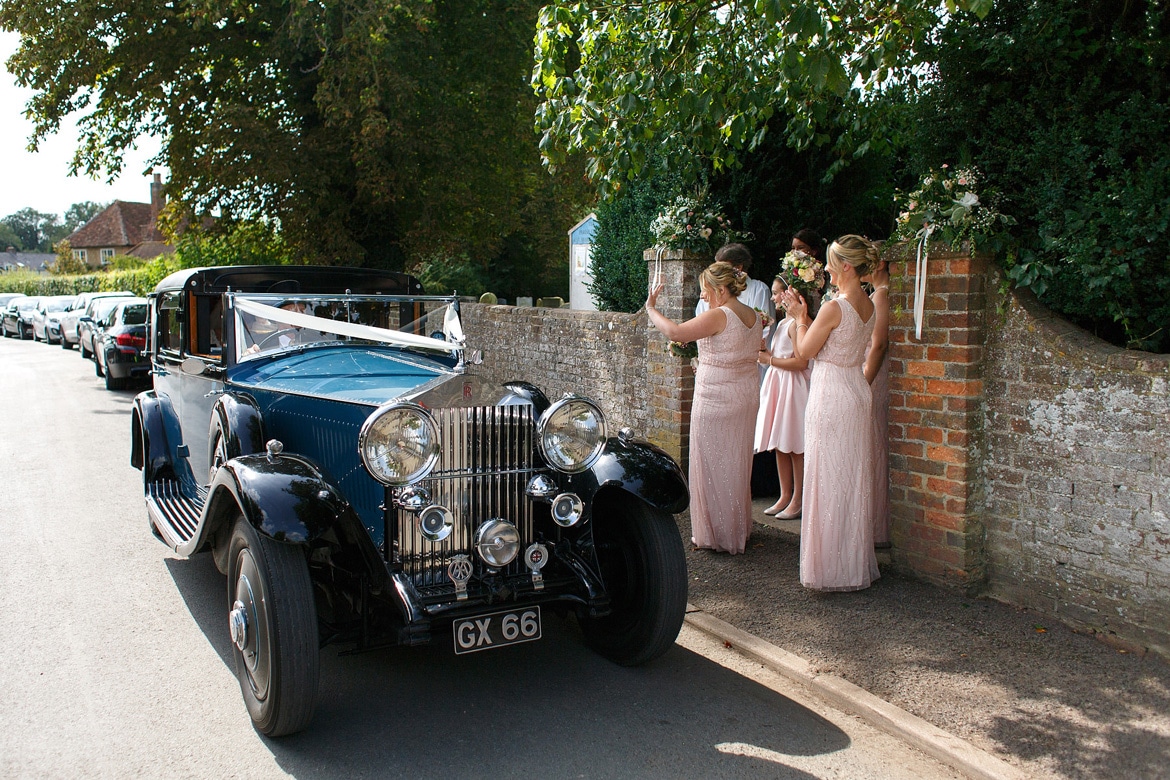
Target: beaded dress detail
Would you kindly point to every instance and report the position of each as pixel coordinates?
(836, 529)
(723, 418)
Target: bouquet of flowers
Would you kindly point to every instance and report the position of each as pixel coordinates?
(950, 205)
(765, 320)
(802, 272)
(692, 223)
(687, 349)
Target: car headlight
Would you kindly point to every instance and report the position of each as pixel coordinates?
(399, 444)
(572, 433)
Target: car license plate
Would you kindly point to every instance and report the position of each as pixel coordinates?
(497, 629)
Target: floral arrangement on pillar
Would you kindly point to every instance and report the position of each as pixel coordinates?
(693, 224)
(948, 206)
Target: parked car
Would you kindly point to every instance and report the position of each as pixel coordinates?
(47, 315)
(327, 436)
(119, 352)
(17, 318)
(97, 310)
(70, 319)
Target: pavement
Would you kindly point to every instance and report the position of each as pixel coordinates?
(1040, 699)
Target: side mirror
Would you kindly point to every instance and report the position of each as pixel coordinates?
(83, 318)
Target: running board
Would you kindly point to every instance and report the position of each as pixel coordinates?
(174, 514)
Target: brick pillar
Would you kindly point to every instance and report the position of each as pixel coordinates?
(671, 379)
(936, 442)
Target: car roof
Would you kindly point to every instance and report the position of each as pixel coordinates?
(293, 279)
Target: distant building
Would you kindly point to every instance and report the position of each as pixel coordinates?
(38, 262)
(581, 264)
(123, 228)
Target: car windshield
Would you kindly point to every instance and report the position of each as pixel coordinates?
(101, 307)
(134, 314)
(31, 303)
(56, 305)
(267, 323)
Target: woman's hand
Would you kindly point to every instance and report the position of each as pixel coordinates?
(794, 304)
(652, 298)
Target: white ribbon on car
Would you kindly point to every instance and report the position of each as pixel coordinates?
(351, 329)
(920, 281)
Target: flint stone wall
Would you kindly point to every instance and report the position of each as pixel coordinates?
(1077, 475)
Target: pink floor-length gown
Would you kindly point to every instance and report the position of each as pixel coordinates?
(880, 391)
(783, 396)
(723, 415)
(836, 528)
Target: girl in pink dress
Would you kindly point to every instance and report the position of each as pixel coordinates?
(780, 422)
(836, 529)
(724, 408)
(877, 374)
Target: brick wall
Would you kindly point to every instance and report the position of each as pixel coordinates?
(1078, 476)
(936, 444)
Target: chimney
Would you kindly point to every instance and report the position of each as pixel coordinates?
(157, 201)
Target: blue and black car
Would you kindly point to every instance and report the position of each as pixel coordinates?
(325, 435)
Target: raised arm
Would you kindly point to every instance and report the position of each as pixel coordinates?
(809, 335)
(703, 326)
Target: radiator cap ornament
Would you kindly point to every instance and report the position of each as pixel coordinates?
(536, 556)
(459, 570)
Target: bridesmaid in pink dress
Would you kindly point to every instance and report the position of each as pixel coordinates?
(780, 422)
(836, 530)
(877, 373)
(723, 412)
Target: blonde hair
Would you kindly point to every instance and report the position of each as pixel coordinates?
(721, 274)
(860, 253)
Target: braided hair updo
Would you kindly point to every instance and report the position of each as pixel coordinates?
(861, 253)
(722, 274)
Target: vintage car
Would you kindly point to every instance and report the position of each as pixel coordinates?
(325, 435)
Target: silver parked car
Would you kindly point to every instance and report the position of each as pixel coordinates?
(71, 318)
(46, 317)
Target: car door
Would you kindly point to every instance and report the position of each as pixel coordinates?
(201, 380)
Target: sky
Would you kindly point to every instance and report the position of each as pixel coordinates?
(41, 181)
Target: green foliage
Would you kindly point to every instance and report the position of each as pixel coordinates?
(371, 131)
(1063, 104)
(619, 82)
(620, 275)
(231, 243)
(66, 264)
(34, 229)
(9, 238)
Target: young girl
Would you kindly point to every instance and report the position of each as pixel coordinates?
(780, 421)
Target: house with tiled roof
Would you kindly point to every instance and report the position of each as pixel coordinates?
(122, 228)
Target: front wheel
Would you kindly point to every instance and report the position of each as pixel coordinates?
(273, 624)
(642, 563)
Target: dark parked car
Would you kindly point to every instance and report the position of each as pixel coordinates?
(71, 318)
(325, 435)
(46, 317)
(17, 318)
(97, 310)
(119, 352)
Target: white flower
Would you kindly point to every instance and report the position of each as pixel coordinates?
(968, 200)
(807, 274)
(705, 232)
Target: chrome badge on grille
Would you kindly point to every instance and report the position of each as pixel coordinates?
(536, 556)
(459, 570)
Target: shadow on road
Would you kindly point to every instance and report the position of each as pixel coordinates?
(551, 708)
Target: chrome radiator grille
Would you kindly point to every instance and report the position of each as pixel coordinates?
(487, 458)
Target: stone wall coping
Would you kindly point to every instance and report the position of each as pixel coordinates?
(1070, 340)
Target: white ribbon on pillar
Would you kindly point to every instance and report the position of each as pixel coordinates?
(920, 281)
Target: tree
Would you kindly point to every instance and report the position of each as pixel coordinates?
(703, 80)
(370, 131)
(8, 238)
(33, 228)
(1063, 105)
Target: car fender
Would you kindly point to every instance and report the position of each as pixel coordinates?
(640, 469)
(286, 498)
(148, 439)
(239, 419)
